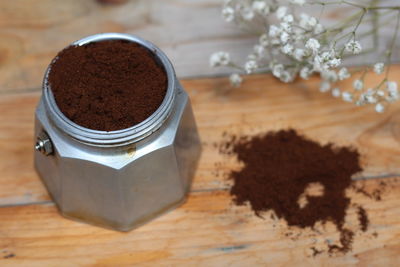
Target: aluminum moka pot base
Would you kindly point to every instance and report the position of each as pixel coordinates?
(119, 179)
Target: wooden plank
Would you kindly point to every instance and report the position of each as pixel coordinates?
(262, 104)
(205, 231)
(32, 33)
(33, 233)
(19, 182)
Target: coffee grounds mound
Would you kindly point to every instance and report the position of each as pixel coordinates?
(107, 85)
(278, 170)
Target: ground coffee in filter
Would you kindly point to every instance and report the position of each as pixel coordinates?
(107, 85)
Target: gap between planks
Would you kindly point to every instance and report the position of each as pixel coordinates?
(199, 191)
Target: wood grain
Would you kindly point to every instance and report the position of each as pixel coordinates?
(208, 230)
(32, 32)
(263, 103)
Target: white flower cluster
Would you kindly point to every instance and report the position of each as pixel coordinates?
(219, 59)
(299, 45)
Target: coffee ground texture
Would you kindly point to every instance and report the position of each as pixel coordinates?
(107, 85)
(298, 179)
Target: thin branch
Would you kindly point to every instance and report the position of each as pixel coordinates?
(393, 42)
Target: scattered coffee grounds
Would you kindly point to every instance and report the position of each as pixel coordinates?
(363, 217)
(346, 240)
(282, 168)
(376, 194)
(315, 251)
(107, 85)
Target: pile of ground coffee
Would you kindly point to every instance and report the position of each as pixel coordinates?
(278, 170)
(107, 85)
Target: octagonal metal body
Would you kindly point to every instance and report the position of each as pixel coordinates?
(119, 179)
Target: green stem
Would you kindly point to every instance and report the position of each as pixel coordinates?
(371, 7)
(390, 52)
(381, 83)
(375, 22)
(353, 33)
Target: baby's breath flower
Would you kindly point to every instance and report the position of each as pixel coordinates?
(286, 77)
(247, 13)
(284, 37)
(325, 87)
(286, 26)
(305, 73)
(235, 79)
(379, 67)
(299, 45)
(334, 62)
(261, 7)
(328, 59)
(329, 75)
(379, 108)
(264, 40)
(391, 87)
(369, 97)
(250, 66)
(343, 74)
(393, 93)
(281, 12)
(299, 54)
(307, 22)
(298, 2)
(219, 59)
(358, 85)
(336, 92)
(318, 64)
(277, 70)
(287, 49)
(313, 45)
(274, 31)
(380, 93)
(259, 50)
(353, 47)
(288, 18)
(347, 96)
(228, 14)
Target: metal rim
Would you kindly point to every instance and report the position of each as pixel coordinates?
(120, 137)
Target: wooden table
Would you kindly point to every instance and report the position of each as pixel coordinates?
(188, 31)
(207, 230)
